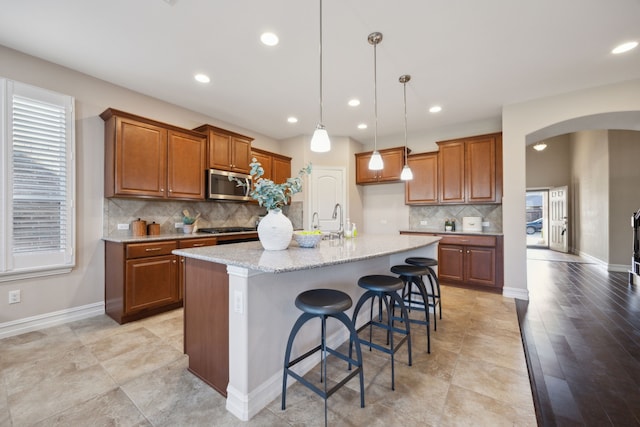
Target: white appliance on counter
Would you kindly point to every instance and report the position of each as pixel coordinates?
(472, 224)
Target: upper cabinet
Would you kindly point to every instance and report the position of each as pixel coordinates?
(145, 158)
(276, 166)
(393, 160)
(228, 150)
(423, 188)
(470, 170)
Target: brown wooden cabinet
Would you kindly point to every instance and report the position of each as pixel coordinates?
(393, 161)
(146, 158)
(228, 150)
(470, 259)
(141, 279)
(470, 170)
(276, 166)
(423, 188)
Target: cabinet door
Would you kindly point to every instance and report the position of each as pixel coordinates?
(364, 175)
(450, 262)
(393, 162)
(186, 166)
(140, 158)
(240, 154)
(423, 188)
(481, 170)
(151, 282)
(219, 151)
(480, 265)
(451, 172)
(281, 169)
(265, 161)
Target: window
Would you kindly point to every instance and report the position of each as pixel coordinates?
(37, 215)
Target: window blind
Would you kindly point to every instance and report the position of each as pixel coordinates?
(40, 220)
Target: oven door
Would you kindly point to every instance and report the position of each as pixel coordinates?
(220, 187)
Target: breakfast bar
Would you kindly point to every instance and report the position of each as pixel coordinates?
(239, 306)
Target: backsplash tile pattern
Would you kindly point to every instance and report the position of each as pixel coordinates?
(167, 213)
(436, 216)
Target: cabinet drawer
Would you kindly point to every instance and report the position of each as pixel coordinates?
(196, 243)
(140, 250)
(468, 240)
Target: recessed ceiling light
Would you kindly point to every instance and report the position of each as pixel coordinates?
(362, 126)
(202, 78)
(435, 109)
(624, 47)
(269, 39)
(292, 119)
(354, 102)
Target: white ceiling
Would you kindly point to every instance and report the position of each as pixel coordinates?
(470, 56)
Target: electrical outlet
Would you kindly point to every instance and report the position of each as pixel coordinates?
(178, 225)
(486, 223)
(123, 226)
(14, 296)
(424, 222)
(238, 305)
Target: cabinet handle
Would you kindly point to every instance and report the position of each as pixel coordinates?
(195, 245)
(170, 191)
(460, 250)
(153, 249)
(174, 261)
(467, 251)
(182, 260)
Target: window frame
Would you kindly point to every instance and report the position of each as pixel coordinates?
(34, 264)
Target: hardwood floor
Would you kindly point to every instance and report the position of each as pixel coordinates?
(581, 334)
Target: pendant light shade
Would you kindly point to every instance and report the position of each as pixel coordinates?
(540, 146)
(406, 173)
(375, 163)
(320, 142)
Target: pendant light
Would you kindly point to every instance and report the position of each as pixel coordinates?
(320, 142)
(375, 163)
(540, 146)
(406, 174)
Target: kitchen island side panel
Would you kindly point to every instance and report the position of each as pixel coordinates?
(206, 322)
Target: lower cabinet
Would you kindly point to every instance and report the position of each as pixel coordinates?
(141, 279)
(470, 260)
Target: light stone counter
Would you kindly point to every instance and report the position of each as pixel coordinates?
(239, 307)
(328, 252)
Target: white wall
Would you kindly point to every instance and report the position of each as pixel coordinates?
(542, 118)
(589, 193)
(84, 286)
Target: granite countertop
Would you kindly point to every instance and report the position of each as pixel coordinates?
(440, 231)
(326, 253)
(127, 238)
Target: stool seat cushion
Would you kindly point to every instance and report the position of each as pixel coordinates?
(323, 301)
(421, 261)
(380, 283)
(409, 270)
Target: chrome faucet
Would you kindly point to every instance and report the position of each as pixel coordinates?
(335, 215)
(315, 221)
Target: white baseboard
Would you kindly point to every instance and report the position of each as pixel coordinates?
(517, 293)
(41, 321)
(621, 268)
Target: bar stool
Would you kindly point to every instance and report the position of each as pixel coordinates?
(412, 275)
(436, 296)
(323, 303)
(385, 288)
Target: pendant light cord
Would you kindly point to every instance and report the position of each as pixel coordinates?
(404, 88)
(321, 120)
(375, 99)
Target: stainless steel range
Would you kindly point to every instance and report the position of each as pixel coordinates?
(222, 230)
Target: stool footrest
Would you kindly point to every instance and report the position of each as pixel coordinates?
(319, 391)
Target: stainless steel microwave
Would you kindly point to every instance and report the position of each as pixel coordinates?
(219, 187)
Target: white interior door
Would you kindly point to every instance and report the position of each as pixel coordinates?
(558, 230)
(328, 187)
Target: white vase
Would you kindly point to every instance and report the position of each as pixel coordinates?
(187, 228)
(275, 231)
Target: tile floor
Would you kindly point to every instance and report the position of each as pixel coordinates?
(95, 372)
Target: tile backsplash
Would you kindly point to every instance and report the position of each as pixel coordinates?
(435, 216)
(167, 213)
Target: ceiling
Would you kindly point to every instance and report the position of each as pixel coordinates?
(470, 57)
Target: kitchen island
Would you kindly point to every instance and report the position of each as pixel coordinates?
(239, 306)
